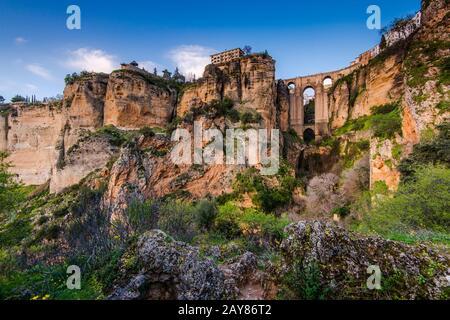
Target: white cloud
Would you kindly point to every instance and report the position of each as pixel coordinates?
(20, 40)
(91, 60)
(39, 71)
(191, 59)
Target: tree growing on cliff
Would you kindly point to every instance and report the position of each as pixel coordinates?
(18, 98)
(2, 100)
(10, 191)
(247, 49)
(177, 76)
(166, 74)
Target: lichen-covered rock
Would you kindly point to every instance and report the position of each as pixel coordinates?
(171, 270)
(407, 272)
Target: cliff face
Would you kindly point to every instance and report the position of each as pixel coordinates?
(249, 82)
(377, 83)
(31, 137)
(85, 100)
(132, 101)
(414, 73)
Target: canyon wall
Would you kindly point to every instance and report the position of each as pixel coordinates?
(40, 139)
(132, 101)
(249, 82)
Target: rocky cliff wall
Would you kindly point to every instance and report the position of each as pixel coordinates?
(134, 101)
(249, 82)
(32, 137)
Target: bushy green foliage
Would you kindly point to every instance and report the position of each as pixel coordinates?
(264, 195)
(420, 208)
(226, 222)
(205, 213)
(422, 56)
(385, 126)
(116, 136)
(433, 151)
(18, 98)
(233, 222)
(249, 117)
(11, 194)
(214, 109)
(72, 78)
(142, 216)
(177, 218)
(303, 282)
(385, 121)
(269, 226)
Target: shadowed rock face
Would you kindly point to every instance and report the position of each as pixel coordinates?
(175, 270)
(133, 102)
(409, 272)
(171, 270)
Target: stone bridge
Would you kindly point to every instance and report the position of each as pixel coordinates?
(298, 91)
(320, 84)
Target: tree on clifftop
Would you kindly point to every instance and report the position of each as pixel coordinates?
(18, 98)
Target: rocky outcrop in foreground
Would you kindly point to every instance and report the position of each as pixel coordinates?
(171, 270)
(407, 272)
(176, 270)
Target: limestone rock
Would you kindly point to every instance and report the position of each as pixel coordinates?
(133, 101)
(171, 270)
(412, 272)
(88, 154)
(84, 100)
(249, 82)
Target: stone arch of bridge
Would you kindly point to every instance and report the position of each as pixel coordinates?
(321, 83)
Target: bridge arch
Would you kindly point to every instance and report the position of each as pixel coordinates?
(309, 105)
(309, 135)
(291, 87)
(327, 82)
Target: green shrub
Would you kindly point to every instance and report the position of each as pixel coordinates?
(205, 213)
(435, 151)
(271, 227)
(226, 222)
(178, 220)
(384, 109)
(116, 136)
(385, 126)
(419, 207)
(303, 282)
(11, 192)
(250, 117)
(385, 121)
(142, 216)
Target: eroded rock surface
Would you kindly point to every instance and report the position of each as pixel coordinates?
(409, 272)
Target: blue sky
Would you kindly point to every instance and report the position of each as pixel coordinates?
(304, 37)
